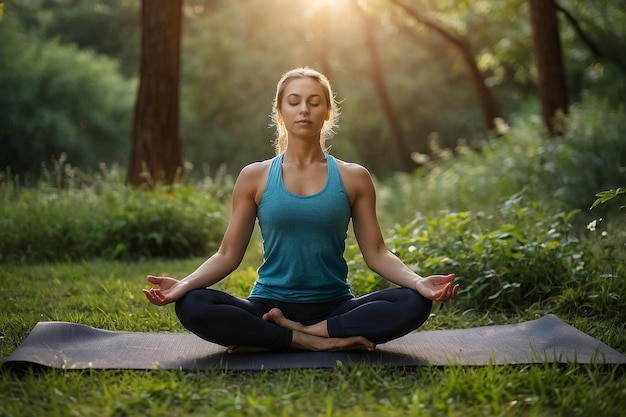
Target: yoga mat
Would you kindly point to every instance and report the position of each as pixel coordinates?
(75, 346)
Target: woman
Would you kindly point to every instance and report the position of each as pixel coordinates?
(304, 199)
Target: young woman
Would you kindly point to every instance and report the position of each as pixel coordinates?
(303, 199)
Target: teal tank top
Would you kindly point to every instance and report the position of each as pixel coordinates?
(303, 240)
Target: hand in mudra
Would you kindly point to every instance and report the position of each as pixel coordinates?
(164, 290)
(437, 287)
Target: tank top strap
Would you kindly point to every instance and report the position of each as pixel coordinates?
(275, 175)
(334, 176)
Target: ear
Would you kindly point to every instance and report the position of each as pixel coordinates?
(328, 113)
(279, 117)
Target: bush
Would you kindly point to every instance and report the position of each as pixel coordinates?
(57, 98)
(563, 173)
(99, 217)
(528, 257)
(172, 222)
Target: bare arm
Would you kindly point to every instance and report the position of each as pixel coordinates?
(231, 251)
(375, 253)
(236, 238)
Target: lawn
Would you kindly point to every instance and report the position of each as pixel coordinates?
(107, 295)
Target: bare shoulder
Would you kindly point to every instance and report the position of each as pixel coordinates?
(351, 171)
(356, 178)
(255, 169)
(252, 179)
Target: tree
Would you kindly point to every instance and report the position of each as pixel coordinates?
(377, 78)
(57, 99)
(549, 62)
(485, 97)
(157, 150)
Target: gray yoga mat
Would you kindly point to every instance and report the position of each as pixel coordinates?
(75, 346)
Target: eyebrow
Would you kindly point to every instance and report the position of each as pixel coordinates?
(298, 95)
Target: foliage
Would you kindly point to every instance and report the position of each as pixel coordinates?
(70, 217)
(74, 21)
(506, 260)
(57, 98)
(592, 153)
(597, 65)
(508, 220)
(604, 196)
(228, 81)
(563, 173)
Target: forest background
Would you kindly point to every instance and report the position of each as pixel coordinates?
(69, 75)
(495, 193)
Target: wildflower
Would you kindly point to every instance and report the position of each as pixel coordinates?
(592, 225)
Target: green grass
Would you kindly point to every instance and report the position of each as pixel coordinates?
(107, 295)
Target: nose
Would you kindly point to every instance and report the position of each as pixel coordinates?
(304, 109)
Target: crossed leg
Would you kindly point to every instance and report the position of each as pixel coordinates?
(315, 337)
(360, 323)
(374, 318)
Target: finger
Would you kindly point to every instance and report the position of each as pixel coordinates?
(443, 294)
(156, 293)
(150, 296)
(452, 291)
(448, 292)
(154, 279)
(444, 279)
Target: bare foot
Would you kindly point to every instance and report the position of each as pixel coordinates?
(276, 316)
(305, 341)
(315, 337)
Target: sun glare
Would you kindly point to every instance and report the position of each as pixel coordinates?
(331, 3)
(325, 6)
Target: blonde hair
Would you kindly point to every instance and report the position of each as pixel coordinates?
(280, 142)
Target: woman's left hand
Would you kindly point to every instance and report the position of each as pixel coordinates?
(437, 287)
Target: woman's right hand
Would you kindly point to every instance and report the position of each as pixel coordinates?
(164, 290)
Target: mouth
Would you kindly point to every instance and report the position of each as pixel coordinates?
(303, 122)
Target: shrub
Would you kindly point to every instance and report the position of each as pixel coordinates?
(172, 222)
(73, 216)
(563, 173)
(527, 257)
(57, 98)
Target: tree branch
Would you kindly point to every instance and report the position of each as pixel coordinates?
(595, 50)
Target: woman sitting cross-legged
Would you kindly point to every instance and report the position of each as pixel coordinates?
(304, 200)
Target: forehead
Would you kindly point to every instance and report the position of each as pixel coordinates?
(304, 86)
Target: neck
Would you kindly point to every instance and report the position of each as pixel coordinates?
(304, 156)
(304, 151)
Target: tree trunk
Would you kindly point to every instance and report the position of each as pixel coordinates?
(549, 62)
(376, 73)
(156, 155)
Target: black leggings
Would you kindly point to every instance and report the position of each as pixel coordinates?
(227, 320)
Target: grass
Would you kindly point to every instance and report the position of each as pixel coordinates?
(106, 294)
